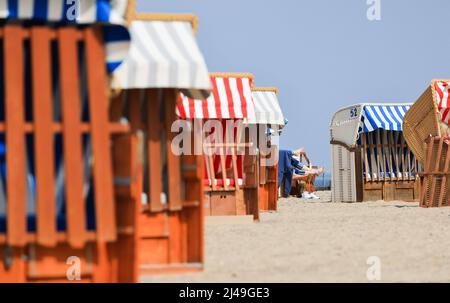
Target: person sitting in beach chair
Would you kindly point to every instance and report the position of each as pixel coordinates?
(304, 177)
(286, 170)
(295, 177)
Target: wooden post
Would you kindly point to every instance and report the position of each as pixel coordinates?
(15, 135)
(71, 113)
(44, 142)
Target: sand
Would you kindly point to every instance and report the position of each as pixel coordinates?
(328, 242)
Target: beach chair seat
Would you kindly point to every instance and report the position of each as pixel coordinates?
(228, 190)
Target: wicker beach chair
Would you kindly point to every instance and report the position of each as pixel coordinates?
(423, 121)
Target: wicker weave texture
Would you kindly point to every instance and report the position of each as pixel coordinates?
(422, 122)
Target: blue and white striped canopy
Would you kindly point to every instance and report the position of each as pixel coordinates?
(109, 13)
(388, 117)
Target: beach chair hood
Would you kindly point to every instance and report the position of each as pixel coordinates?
(164, 54)
(348, 123)
(267, 107)
(231, 98)
(428, 117)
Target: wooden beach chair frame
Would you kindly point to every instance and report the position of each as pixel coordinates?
(47, 249)
(268, 184)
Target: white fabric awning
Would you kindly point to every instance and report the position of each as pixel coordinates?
(164, 54)
(267, 107)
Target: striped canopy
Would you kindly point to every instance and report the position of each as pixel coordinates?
(388, 117)
(443, 99)
(105, 12)
(164, 54)
(231, 98)
(267, 107)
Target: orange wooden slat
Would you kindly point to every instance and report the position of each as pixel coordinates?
(175, 240)
(15, 135)
(134, 109)
(98, 107)
(84, 128)
(71, 116)
(154, 150)
(43, 121)
(53, 35)
(173, 161)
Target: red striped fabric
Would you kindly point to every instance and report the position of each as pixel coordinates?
(228, 160)
(231, 98)
(443, 99)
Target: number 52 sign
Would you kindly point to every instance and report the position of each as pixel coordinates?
(354, 112)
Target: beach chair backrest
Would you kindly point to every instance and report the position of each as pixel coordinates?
(231, 163)
(55, 130)
(423, 120)
(386, 156)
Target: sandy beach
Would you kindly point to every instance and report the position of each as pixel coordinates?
(328, 242)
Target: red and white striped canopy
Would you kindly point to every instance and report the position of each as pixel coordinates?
(231, 98)
(443, 99)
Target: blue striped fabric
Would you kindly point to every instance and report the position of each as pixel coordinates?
(388, 117)
(400, 167)
(105, 12)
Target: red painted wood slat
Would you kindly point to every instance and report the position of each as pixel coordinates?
(101, 143)
(15, 135)
(44, 142)
(73, 156)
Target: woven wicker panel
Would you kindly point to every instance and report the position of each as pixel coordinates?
(436, 181)
(421, 122)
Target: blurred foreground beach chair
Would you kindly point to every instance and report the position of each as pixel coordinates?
(371, 160)
(169, 186)
(58, 219)
(426, 131)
